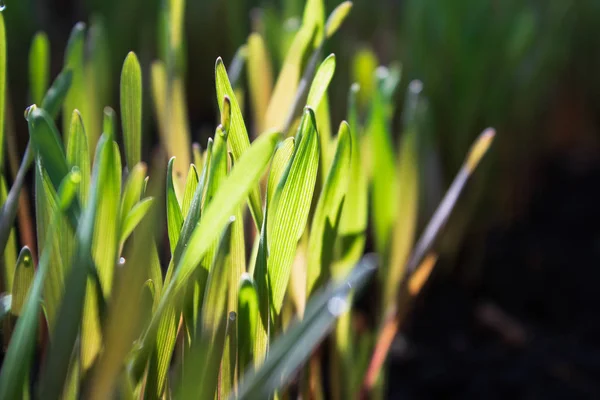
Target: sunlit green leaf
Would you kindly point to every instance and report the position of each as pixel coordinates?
(131, 109)
(337, 17)
(174, 216)
(295, 346)
(290, 207)
(237, 135)
(77, 154)
(55, 96)
(133, 218)
(74, 61)
(248, 320)
(326, 218)
(39, 67)
(23, 279)
(20, 350)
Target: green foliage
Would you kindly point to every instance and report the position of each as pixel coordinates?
(220, 322)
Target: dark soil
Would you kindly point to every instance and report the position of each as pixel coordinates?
(530, 328)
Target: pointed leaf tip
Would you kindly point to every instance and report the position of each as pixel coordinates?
(480, 148)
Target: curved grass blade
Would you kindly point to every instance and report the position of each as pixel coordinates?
(408, 199)
(293, 348)
(124, 315)
(8, 260)
(98, 71)
(39, 67)
(325, 222)
(237, 134)
(20, 350)
(55, 96)
(132, 192)
(77, 154)
(354, 219)
(174, 216)
(291, 205)
(74, 61)
(104, 243)
(190, 189)
(9, 208)
(384, 175)
(134, 217)
(131, 109)
(285, 89)
(24, 275)
(230, 195)
(337, 18)
(248, 320)
(476, 153)
(321, 82)
(200, 376)
(69, 320)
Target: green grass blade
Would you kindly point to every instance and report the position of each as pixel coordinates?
(61, 244)
(125, 315)
(39, 67)
(131, 109)
(9, 208)
(354, 218)
(237, 134)
(285, 89)
(47, 144)
(20, 350)
(337, 18)
(248, 320)
(321, 82)
(77, 154)
(229, 363)
(9, 255)
(201, 376)
(24, 274)
(132, 192)
(260, 80)
(441, 215)
(314, 16)
(289, 352)
(69, 320)
(134, 217)
(56, 95)
(385, 182)
(98, 70)
(244, 175)
(190, 189)
(325, 222)
(407, 215)
(74, 61)
(174, 216)
(104, 248)
(291, 205)
(104, 243)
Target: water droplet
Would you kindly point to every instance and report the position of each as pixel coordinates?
(415, 86)
(2, 6)
(337, 306)
(29, 109)
(122, 261)
(382, 72)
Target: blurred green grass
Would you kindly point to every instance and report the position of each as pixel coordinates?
(511, 64)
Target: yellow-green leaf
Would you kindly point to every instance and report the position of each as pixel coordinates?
(260, 80)
(131, 109)
(324, 227)
(24, 274)
(291, 205)
(74, 61)
(39, 67)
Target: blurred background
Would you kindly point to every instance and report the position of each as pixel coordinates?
(513, 309)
